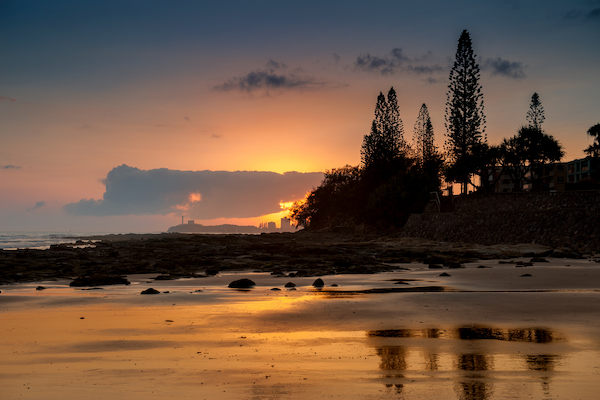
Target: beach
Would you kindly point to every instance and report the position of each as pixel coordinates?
(486, 331)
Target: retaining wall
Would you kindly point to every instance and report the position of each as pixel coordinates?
(567, 219)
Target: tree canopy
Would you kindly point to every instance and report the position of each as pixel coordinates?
(593, 150)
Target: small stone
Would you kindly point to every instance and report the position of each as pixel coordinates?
(445, 274)
(525, 275)
(40, 288)
(290, 285)
(275, 288)
(150, 291)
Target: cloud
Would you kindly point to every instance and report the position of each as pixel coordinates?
(509, 69)
(10, 167)
(201, 194)
(7, 99)
(594, 14)
(37, 206)
(397, 62)
(271, 77)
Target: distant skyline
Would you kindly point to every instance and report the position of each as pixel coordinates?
(133, 88)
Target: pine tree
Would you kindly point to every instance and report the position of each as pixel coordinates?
(423, 136)
(535, 115)
(394, 131)
(465, 121)
(385, 142)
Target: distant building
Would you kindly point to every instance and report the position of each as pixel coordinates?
(286, 224)
(191, 222)
(504, 182)
(271, 226)
(556, 177)
(579, 169)
(552, 177)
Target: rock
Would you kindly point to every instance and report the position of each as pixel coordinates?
(566, 252)
(483, 266)
(242, 284)
(525, 275)
(521, 264)
(290, 284)
(211, 272)
(445, 274)
(40, 288)
(164, 278)
(318, 283)
(150, 291)
(334, 285)
(454, 265)
(99, 280)
(275, 288)
(538, 259)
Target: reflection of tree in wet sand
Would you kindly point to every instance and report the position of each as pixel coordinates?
(544, 363)
(474, 362)
(392, 358)
(472, 388)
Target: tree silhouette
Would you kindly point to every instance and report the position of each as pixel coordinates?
(428, 158)
(535, 115)
(465, 121)
(423, 136)
(522, 155)
(385, 142)
(593, 150)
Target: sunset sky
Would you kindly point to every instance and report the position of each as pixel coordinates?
(115, 115)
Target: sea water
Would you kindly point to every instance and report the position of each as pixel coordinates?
(39, 240)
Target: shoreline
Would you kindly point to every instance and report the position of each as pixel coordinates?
(308, 254)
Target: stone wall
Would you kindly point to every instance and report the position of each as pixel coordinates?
(568, 219)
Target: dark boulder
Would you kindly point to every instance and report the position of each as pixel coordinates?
(40, 288)
(150, 291)
(290, 284)
(538, 259)
(99, 280)
(242, 284)
(445, 274)
(318, 283)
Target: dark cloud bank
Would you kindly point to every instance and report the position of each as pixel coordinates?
(275, 76)
(397, 62)
(239, 194)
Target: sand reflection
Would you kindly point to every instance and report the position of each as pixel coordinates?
(473, 356)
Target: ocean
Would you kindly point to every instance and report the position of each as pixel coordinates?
(39, 240)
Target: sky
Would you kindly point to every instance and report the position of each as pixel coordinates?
(124, 116)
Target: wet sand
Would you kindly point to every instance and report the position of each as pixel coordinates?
(488, 333)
